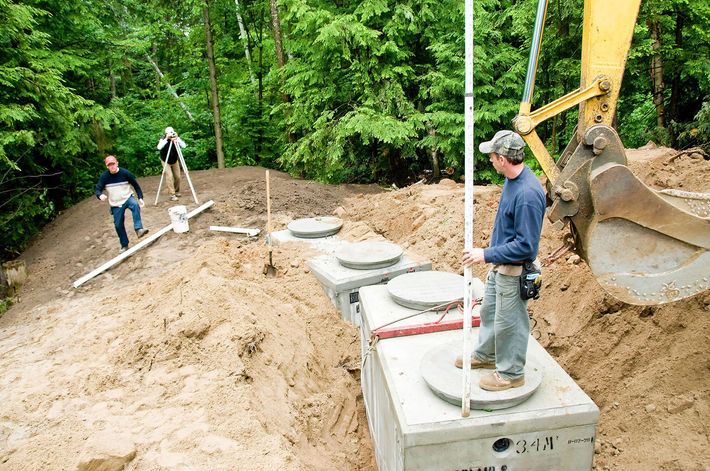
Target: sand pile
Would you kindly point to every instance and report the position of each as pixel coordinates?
(211, 366)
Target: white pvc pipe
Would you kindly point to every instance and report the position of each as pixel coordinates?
(136, 247)
(236, 230)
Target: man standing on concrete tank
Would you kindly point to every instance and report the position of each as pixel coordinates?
(168, 147)
(505, 325)
(117, 182)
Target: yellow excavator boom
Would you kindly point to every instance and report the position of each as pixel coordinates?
(644, 246)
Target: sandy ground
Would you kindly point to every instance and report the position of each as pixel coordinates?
(185, 357)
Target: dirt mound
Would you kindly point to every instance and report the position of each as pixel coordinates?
(185, 356)
(184, 353)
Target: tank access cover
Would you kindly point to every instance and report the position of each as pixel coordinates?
(444, 379)
(368, 255)
(313, 228)
(426, 289)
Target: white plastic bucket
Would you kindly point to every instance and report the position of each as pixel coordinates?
(178, 217)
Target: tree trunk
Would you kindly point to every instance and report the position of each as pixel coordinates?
(112, 83)
(657, 72)
(159, 77)
(434, 155)
(102, 144)
(276, 28)
(169, 87)
(260, 92)
(675, 83)
(554, 134)
(280, 59)
(213, 87)
(243, 38)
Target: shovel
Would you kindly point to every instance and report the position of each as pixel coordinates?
(269, 268)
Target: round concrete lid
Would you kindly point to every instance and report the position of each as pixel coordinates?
(312, 228)
(368, 255)
(444, 379)
(426, 289)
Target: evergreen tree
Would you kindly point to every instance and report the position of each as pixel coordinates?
(374, 88)
(48, 129)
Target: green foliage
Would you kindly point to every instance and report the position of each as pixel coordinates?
(5, 304)
(384, 86)
(371, 89)
(685, 55)
(25, 215)
(635, 127)
(47, 127)
(697, 132)
(351, 93)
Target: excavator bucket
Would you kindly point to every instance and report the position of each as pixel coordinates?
(644, 246)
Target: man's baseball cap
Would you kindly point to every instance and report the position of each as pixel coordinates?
(169, 130)
(506, 143)
(110, 160)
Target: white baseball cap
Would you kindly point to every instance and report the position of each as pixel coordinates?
(169, 130)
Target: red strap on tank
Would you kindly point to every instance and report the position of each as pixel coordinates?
(439, 325)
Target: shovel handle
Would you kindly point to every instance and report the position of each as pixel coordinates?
(268, 209)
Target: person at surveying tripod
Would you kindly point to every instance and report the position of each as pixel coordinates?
(169, 146)
(505, 325)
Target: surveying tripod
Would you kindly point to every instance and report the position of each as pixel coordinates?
(182, 164)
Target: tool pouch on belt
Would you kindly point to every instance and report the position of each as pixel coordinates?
(530, 281)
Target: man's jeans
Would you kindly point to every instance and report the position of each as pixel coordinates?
(119, 213)
(505, 326)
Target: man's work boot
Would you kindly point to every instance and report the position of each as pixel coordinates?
(493, 382)
(123, 249)
(475, 363)
(141, 232)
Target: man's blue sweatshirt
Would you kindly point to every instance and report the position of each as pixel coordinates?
(518, 224)
(118, 186)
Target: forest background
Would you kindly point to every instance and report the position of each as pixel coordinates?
(337, 91)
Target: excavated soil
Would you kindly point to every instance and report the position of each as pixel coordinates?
(185, 357)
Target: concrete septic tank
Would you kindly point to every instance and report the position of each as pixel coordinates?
(342, 284)
(413, 429)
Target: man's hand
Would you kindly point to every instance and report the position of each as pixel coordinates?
(141, 203)
(471, 256)
(103, 197)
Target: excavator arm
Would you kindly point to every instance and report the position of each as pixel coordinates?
(644, 246)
